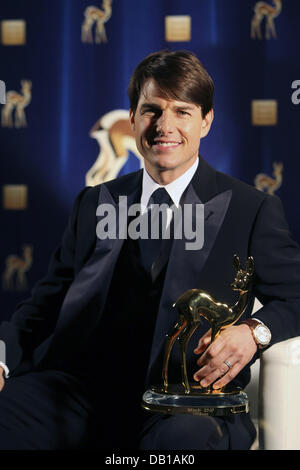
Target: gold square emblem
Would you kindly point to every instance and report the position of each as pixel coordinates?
(264, 112)
(13, 32)
(178, 28)
(15, 196)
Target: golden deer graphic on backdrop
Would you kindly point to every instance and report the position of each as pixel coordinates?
(261, 10)
(115, 138)
(94, 15)
(18, 266)
(17, 101)
(194, 304)
(266, 183)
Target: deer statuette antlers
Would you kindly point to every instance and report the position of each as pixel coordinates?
(194, 304)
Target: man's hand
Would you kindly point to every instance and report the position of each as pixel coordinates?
(234, 344)
(2, 381)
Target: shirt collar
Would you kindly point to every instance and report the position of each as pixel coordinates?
(175, 188)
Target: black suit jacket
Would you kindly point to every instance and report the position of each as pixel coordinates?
(65, 306)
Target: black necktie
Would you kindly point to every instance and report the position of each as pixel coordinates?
(150, 247)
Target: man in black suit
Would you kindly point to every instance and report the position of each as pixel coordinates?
(89, 341)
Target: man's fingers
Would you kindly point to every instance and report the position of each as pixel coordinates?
(2, 383)
(235, 345)
(231, 373)
(213, 369)
(211, 353)
(204, 341)
(208, 374)
(202, 345)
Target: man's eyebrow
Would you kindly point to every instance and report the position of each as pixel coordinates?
(150, 106)
(185, 107)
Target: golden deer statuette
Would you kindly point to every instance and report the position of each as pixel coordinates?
(194, 304)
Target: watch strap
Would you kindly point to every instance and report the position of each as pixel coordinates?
(252, 322)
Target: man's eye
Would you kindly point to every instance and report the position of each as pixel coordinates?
(149, 112)
(182, 113)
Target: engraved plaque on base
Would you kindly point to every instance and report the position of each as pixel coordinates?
(175, 400)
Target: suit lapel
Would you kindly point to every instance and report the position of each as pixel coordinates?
(85, 299)
(185, 265)
(99, 269)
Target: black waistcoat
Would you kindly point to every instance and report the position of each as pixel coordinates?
(115, 362)
(119, 350)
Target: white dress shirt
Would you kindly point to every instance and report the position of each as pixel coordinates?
(175, 189)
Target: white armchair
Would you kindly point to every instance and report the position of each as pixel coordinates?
(274, 396)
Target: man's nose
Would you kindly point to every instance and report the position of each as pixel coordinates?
(165, 123)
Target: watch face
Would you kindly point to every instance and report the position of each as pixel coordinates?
(263, 334)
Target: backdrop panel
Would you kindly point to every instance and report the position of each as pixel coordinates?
(66, 66)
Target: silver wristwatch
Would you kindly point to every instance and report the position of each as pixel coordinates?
(260, 332)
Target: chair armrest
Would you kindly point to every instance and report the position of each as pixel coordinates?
(279, 406)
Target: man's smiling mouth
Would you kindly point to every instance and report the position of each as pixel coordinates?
(165, 143)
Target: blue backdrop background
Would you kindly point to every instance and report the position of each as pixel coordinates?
(74, 83)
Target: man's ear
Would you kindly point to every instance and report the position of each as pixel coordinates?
(131, 119)
(207, 122)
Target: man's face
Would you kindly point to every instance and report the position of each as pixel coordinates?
(167, 132)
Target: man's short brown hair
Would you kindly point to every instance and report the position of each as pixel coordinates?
(179, 75)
